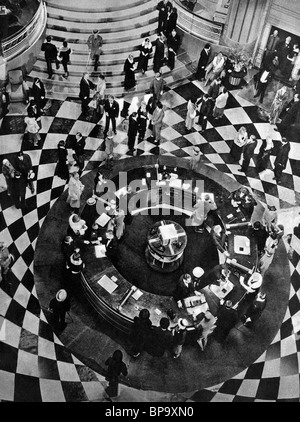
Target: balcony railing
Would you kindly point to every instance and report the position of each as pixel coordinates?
(19, 42)
(198, 26)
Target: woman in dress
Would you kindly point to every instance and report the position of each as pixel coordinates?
(74, 192)
(238, 144)
(295, 75)
(64, 54)
(8, 172)
(100, 94)
(129, 70)
(142, 120)
(279, 102)
(39, 95)
(191, 115)
(32, 129)
(146, 51)
(62, 169)
(264, 154)
(215, 68)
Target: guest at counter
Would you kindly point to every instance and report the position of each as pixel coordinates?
(260, 234)
(199, 215)
(185, 288)
(179, 335)
(141, 332)
(205, 328)
(161, 338)
(74, 264)
(77, 226)
(218, 275)
(270, 248)
(99, 183)
(255, 310)
(227, 318)
(219, 238)
(68, 247)
(252, 286)
(111, 245)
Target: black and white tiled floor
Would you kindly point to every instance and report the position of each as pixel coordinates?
(34, 364)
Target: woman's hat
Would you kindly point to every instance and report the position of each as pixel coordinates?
(182, 323)
(61, 295)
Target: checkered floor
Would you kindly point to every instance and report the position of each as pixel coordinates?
(34, 364)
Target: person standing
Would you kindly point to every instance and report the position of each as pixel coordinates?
(79, 144)
(115, 368)
(129, 70)
(62, 170)
(51, 53)
(159, 54)
(191, 115)
(253, 313)
(157, 121)
(8, 172)
(179, 336)
(161, 340)
(142, 120)
(64, 54)
(263, 80)
(6, 262)
(227, 318)
(260, 234)
(248, 153)
(271, 48)
(162, 7)
(32, 129)
(100, 94)
(220, 104)
(205, 111)
(214, 89)
(173, 43)
(278, 104)
(141, 331)
(239, 143)
(206, 327)
(195, 158)
(281, 159)
(214, 70)
(60, 305)
(111, 109)
(24, 166)
(203, 61)
(74, 192)
(157, 87)
(171, 20)
(39, 95)
(264, 154)
(84, 92)
(95, 43)
(132, 132)
(146, 50)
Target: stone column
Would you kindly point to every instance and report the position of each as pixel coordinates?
(243, 23)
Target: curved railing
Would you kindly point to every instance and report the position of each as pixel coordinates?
(198, 26)
(19, 42)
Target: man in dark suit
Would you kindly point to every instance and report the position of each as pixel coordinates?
(79, 144)
(271, 48)
(227, 319)
(84, 93)
(185, 288)
(205, 111)
(260, 234)
(262, 81)
(111, 109)
(132, 132)
(248, 152)
(111, 245)
(290, 117)
(50, 55)
(173, 42)
(214, 276)
(284, 49)
(281, 159)
(203, 61)
(162, 7)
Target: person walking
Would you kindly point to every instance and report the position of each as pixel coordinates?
(227, 318)
(173, 43)
(204, 112)
(179, 335)
(215, 89)
(8, 172)
(220, 104)
(39, 95)
(203, 61)
(171, 20)
(206, 327)
(157, 121)
(115, 368)
(95, 43)
(162, 7)
(264, 154)
(281, 159)
(215, 68)
(24, 166)
(146, 50)
(62, 169)
(260, 234)
(84, 92)
(129, 70)
(195, 158)
(64, 54)
(157, 86)
(32, 129)
(60, 305)
(74, 192)
(132, 132)
(159, 54)
(111, 109)
(248, 153)
(142, 119)
(51, 53)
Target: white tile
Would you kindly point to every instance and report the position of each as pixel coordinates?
(10, 143)
(171, 118)
(93, 143)
(31, 323)
(46, 170)
(271, 369)
(288, 346)
(169, 133)
(46, 122)
(264, 130)
(196, 138)
(287, 195)
(5, 301)
(46, 348)
(51, 391)
(67, 372)
(168, 146)
(69, 110)
(248, 388)
(83, 127)
(220, 147)
(7, 386)
(22, 295)
(27, 364)
(52, 140)
(43, 198)
(289, 387)
(237, 116)
(228, 133)
(22, 242)
(172, 99)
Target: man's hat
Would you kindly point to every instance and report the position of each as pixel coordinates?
(61, 295)
(182, 323)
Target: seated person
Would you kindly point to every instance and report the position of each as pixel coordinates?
(184, 289)
(77, 226)
(218, 275)
(219, 238)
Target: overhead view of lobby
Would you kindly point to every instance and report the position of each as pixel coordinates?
(150, 201)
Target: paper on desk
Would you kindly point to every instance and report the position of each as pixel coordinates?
(136, 295)
(100, 251)
(103, 219)
(107, 284)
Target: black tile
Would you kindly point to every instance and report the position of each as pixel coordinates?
(27, 255)
(27, 389)
(74, 392)
(62, 354)
(34, 306)
(43, 211)
(56, 192)
(61, 125)
(46, 331)
(286, 329)
(33, 232)
(252, 112)
(211, 135)
(255, 371)
(268, 389)
(15, 313)
(17, 228)
(48, 156)
(270, 188)
(295, 167)
(28, 342)
(287, 181)
(9, 358)
(207, 149)
(224, 121)
(180, 153)
(44, 185)
(86, 374)
(181, 110)
(182, 142)
(12, 125)
(53, 109)
(48, 368)
(204, 396)
(232, 102)
(188, 91)
(231, 387)
(241, 399)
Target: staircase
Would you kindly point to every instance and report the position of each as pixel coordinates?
(123, 26)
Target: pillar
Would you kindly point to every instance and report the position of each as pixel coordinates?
(243, 24)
